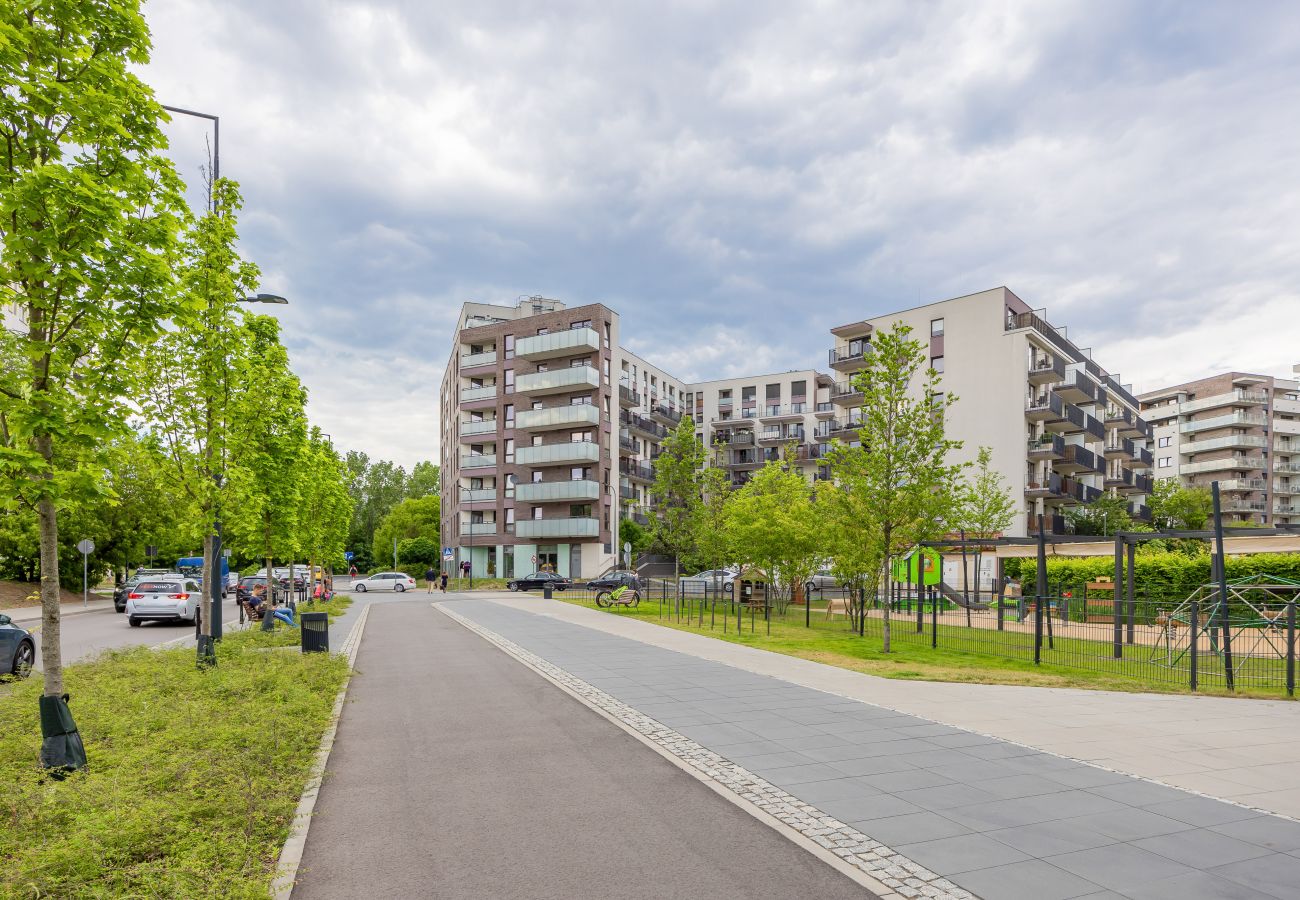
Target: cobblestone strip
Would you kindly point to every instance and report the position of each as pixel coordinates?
(900, 874)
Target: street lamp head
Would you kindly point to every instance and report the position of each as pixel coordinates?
(267, 298)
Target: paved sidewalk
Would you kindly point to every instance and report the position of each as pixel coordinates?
(458, 773)
(1246, 751)
(1000, 820)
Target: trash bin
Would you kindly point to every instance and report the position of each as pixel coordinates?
(315, 632)
(546, 591)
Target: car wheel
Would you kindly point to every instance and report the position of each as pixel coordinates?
(400, 588)
(135, 623)
(361, 588)
(512, 586)
(24, 659)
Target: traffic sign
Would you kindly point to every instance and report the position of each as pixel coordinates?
(348, 554)
(86, 546)
(627, 547)
(448, 554)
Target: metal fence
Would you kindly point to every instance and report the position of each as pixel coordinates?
(1194, 641)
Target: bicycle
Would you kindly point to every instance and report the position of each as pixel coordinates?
(620, 596)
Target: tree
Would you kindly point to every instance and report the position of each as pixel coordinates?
(985, 508)
(852, 553)
(899, 478)
(423, 481)
(420, 551)
(190, 397)
(711, 536)
(89, 211)
(409, 520)
(1179, 508)
(376, 487)
(676, 492)
(1104, 516)
(771, 524)
(326, 503)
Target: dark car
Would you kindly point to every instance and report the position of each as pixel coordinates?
(244, 589)
(120, 592)
(611, 580)
(17, 649)
(537, 581)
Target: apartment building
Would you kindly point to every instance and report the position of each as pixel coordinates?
(1239, 429)
(651, 403)
(1061, 429)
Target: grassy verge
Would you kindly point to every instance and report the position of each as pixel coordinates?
(910, 658)
(193, 779)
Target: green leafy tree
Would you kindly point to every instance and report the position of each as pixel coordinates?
(1180, 508)
(89, 211)
(712, 539)
(899, 477)
(418, 551)
(409, 520)
(985, 508)
(773, 526)
(376, 487)
(853, 555)
(423, 481)
(631, 532)
(1104, 516)
(676, 492)
(326, 503)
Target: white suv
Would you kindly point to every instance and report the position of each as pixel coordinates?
(173, 599)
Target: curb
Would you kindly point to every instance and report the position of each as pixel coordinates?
(296, 842)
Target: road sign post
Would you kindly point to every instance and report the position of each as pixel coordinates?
(86, 547)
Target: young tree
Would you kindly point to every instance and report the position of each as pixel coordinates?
(89, 211)
(1180, 508)
(771, 524)
(409, 520)
(676, 492)
(712, 538)
(852, 553)
(424, 480)
(900, 478)
(985, 509)
(376, 487)
(1104, 516)
(326, 503)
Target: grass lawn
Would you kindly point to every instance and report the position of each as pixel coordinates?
(193, 777)
(958, 658)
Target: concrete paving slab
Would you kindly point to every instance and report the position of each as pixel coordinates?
(1028, 880)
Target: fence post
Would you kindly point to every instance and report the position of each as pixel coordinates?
(1228, 675)
(1131, 593)
(934, 618)
(1117, 600)
(920, 584)
(1038, 628)
(1290, 648)
(1193, 648)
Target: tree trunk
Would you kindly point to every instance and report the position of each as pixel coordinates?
(51, 650)
(884, 578)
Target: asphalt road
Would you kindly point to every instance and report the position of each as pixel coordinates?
(459, 773)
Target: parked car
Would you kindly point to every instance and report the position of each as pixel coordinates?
(539, 580)
(164, 600)
(616, 578)
(710, 580)
(152, 573)
(244, 590)
(122, 590)
(385, 581)
(821, 580)
(17, 649)
(232, 581)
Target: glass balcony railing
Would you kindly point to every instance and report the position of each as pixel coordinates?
(486, 358)
(1241, 420)
(478, 528)
(558, 528)
(1222, 443)
(557, 417)
(570, 342)
(478, 495)
(478, 393)
(478, 460)
(575, 378)
(558, 454)
(557, 491)
(482, 426)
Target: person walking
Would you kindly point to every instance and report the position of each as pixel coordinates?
(429, 577)
(444, 581)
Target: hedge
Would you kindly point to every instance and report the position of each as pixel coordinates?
(1159, 574)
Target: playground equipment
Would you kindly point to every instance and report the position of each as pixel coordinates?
(956, 597)
(1249, 622)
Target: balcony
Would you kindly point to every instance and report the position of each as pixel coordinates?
(1242, 505)
(1078, 388)
(636, 470)
(1286, 467)
(557, 417)
(1045, 368)
(666, 414)
(1142, 458)
(1093, 427)
(558, 381)
(744, 459)
(1119, 477)
(1285, 509)
(1072, 420)
(1056, 524)
(843, 393)
(780, 435)
(470, 360)
(628, 446)
(1242, 484)
(1037, 486)
(478, 495)
(1232, 398)
(471, 427)
(776, 412)
(1229, 463)
(562, 454)
(1143, 483)
(1119, 417)
(1222, 443)
(1139, 512)
(838, 430)
(1118, 447)
(571, 342)
(478, 461)
(1140, 428)
(1049, 446)
(1044, 407)
(1073, 489)
(477, 529)
(580, 527)
(846, 359)
(1232, 420)
(1077, 459)
(627, 492)
(1282, 487)
(1284, 446)
(557, 491)
(824, 409)
(471, 394)
(635, 515)
(638, 423)
(628, 397)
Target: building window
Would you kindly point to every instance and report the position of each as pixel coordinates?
(580, 401)
(537, 512)
(580, 511)
(936, 328)
(937, 364)
(510, 449)
(585, 323)
(537, 476)
(510, 381)
(606, 335)
(510, 515)
(510, 415)
(509, 341)
(543, 331)
(1163, 442)
(1165, 462)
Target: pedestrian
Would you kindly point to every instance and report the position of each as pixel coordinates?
(429, 576)
(352, 572)
(464, 569)
(444, 581)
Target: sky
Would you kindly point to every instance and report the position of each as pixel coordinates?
(742, 176)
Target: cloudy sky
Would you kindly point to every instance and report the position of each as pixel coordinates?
(747, 174)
